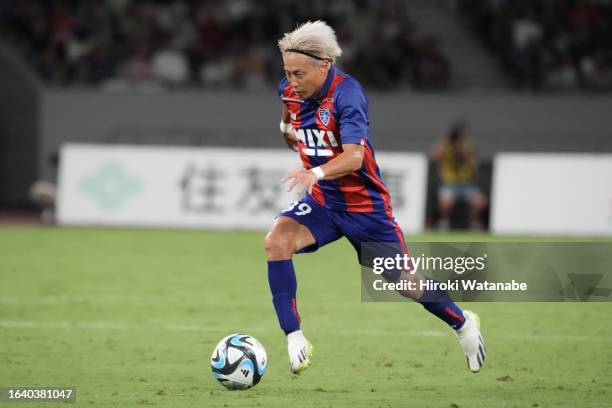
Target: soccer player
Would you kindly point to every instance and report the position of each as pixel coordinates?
(325, 119)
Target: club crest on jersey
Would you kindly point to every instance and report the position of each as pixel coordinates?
(324, 115)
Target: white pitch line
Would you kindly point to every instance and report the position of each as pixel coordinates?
(68, 298)
(27, 324)
(77, 298)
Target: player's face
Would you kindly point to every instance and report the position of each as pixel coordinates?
(305, 75)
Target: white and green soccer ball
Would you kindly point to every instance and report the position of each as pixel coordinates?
(239, 361)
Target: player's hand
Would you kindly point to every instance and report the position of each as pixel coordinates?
(305, 179)
(291, 140)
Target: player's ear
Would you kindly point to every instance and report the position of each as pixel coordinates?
(325, 65)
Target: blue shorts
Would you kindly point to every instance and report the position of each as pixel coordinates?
(328, 226)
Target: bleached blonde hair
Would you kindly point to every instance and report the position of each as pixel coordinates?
(315, 38)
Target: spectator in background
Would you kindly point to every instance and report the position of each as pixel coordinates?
(170, 65)
(433, 69)
(455, 157)
(526, 43)
(154, 44)
(548, 44)
(138, 67)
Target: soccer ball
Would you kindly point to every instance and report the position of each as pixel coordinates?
(239, 361)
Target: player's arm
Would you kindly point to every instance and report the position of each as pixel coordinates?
(288, 136)
(350, 160)
(351, 104)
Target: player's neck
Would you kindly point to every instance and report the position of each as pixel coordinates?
(316, 93)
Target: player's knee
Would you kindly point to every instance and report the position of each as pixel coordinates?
(412, 284)
(279, 246)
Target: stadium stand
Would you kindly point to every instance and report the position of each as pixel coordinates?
(548, 45)
(182, 43)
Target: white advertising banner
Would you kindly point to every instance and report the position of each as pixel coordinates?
(223, 188)
(553, 194)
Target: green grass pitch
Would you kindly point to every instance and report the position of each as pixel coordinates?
(130, 317)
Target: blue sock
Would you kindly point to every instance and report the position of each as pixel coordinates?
(439, 303)
(283, 285)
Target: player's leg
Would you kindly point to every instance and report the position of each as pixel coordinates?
(284, 239)
(382, 227)
(465, 322)
(303, 227)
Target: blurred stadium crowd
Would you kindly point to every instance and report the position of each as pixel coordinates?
(178, 43)
(154, 44)
(548, 44)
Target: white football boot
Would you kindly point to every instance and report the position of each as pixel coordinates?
(300, 351)
(471, 341)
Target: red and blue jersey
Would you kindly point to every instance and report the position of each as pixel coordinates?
(336, 116)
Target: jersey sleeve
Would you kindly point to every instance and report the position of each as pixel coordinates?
(352, 110)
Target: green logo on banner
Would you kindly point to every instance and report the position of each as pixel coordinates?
(110, 186)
